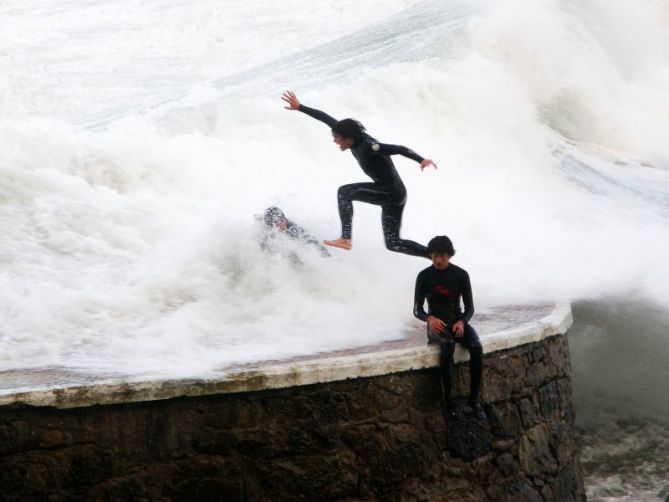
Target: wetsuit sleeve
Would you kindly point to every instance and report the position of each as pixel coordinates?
(297, 232)
(467, 299)
(318, 115)
(310, 239)
(419, 298)
(323, 251)
(385, 149)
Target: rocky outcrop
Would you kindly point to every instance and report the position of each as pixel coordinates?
(374, 438)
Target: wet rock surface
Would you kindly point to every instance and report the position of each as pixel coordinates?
(467, 437)
(377, 438)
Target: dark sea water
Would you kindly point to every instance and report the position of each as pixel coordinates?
(620, 354)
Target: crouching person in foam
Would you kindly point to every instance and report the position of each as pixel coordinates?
(444, 285)
(278, 225)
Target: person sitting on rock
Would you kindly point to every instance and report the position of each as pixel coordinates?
(443, 284)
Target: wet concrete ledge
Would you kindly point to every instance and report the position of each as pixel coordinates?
(56, 388)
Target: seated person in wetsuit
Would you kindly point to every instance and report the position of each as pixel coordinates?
(443, 284)
(278, 224)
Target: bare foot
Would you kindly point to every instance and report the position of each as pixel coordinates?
(340, 243)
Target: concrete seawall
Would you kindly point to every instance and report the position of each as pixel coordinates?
(362, 424)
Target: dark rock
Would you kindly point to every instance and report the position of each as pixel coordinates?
(214, 441)
(425, 390)
(564, 485)
(507, 465)
(329, 407)
(468, 438)
(319, 477)
(537, 354)
(264, 443)
(534, 453)
(528, 413)
(504, 419)
(559, 358)
(515, 489)
(504, 377)
(502, 445)
(564, 393)
(548, 399)
(204, 480)
(90, 465)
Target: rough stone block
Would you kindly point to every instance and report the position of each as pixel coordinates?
(534, 453)
(507, 465)
(528, 412)
(515, 489)
(504, 419)
(318, 477)
(468, 438)
(548, 400)
(502, 445)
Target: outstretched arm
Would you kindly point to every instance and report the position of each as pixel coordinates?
(294, 104)
(385, 149)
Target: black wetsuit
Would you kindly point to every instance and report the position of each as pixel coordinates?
(386, 191)
(295, 232)
(443, 290)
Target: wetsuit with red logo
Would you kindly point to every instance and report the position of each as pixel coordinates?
(386, 191)
(443, 290)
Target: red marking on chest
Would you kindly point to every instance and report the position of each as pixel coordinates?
(442, 290)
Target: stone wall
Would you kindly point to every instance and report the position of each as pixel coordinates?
(376, 438)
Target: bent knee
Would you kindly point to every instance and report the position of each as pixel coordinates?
(392, 247)
(346, 189)
(392, 244)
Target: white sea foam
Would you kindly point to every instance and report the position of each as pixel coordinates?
(139, 141)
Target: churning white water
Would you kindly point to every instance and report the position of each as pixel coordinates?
(139, 139)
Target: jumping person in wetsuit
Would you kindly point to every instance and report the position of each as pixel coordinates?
(443, 284)
(386, 191)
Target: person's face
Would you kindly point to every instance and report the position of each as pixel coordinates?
(342, 142)
(283, 225)
(440, 260)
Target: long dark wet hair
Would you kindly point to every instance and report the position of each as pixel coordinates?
(349, 128)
